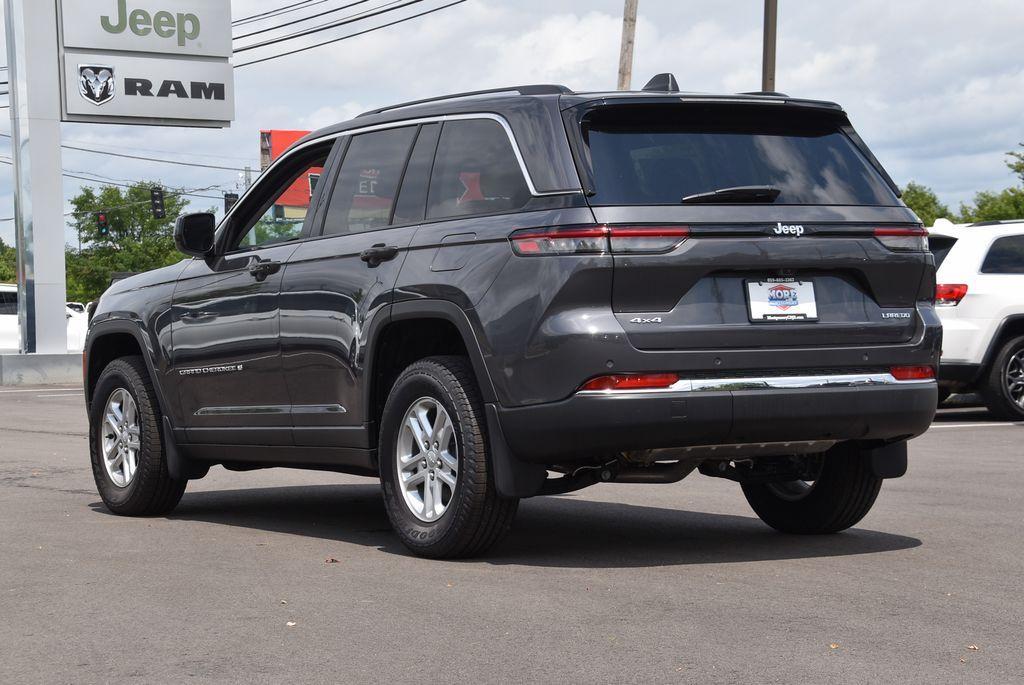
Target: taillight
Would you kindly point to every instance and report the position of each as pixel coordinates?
(646, 239)
(912, 373)
(631, 381)
(950, 294)
(903, 239)
(562, 240)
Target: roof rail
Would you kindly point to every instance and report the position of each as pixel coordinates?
(764, 92)
(542, 89)
(996, 222)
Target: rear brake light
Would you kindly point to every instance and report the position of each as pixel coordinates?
(903, 239)
(950, 294)
(632, 381)
(912, 373)
(649, 239)
(562, 240)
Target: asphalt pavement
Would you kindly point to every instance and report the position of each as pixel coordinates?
(289, 576)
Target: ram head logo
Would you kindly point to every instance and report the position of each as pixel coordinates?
(96, 84)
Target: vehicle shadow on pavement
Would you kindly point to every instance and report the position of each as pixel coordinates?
(548, 531)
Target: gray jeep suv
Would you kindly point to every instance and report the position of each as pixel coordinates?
(527, 291)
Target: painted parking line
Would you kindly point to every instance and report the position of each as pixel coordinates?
(70, 394)
(5, 392)
(976, 425)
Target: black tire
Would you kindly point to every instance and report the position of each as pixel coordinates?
(841, 495)
(944, 394)
(151, 491)
(476, 516)
(995, 391)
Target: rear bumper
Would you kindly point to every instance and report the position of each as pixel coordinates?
(586, 426)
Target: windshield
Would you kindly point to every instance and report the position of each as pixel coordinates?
(644, 155)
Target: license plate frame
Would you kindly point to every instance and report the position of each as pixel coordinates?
(781, 300)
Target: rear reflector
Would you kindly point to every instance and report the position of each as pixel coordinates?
(632, 381)
(562, 240)
(950, 294)
(912, 373)
(903, 239)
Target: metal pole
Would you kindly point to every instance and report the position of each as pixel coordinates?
(771, 11)
(33, 74)
(248, 176)
(626, 48)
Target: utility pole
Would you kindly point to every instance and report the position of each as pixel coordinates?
(771, 11)
(626, 49)
(248, 176)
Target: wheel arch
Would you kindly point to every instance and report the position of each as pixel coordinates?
(113, 339)
(1010, 327)
(448, 330)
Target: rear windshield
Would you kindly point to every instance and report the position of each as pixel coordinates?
(646, 155)
(940, 245)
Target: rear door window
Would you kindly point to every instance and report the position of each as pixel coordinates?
(657, 155)
(365, 190)
(412, 199)
(1006, 256)
(475, 172)
(8, 303)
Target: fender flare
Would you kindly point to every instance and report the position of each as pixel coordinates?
(512, 477)
(995, 344)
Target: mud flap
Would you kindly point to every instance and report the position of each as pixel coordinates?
(512, 477)
(180, 467)
(889, 461)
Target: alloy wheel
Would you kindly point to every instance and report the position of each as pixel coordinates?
(427, 459)
(1014, 378)
(119, 437)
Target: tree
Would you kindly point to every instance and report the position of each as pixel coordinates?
(135, 242)
(994, 206)
(8, 263)
(925, 203)
(1016, 162)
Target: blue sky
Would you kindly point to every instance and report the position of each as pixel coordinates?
(935, 87)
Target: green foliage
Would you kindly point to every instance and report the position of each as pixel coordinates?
(991, 205)
(136, 241)
(1016, 162)
(925, 203)
(8, 263)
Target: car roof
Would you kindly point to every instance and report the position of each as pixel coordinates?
(983, 229)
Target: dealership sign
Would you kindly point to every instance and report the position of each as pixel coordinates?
(157, 62)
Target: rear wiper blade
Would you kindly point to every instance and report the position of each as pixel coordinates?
(766, 194)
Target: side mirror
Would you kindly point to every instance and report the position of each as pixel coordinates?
(194, 234)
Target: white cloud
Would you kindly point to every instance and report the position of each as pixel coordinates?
(936, 88)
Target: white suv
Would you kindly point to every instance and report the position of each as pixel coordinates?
(10, 334)
(980, 299)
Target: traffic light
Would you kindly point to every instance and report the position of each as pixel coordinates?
(156, 199)
(229, 201)
(102, 223)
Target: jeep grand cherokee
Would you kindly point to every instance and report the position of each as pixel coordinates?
(527, 291)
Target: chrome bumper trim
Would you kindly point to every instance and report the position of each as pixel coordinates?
(853, 380)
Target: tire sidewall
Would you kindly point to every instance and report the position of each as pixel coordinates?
(1010, 408)
(117, 375)
(415, 384)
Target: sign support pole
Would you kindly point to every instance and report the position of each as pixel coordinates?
(38, 184)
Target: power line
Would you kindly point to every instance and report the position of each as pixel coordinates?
(275, 12)
(350, 35)
(144, 159)
(300, 20)
(323, 27)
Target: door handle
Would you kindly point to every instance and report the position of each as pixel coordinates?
(261, 268)
(378, 254)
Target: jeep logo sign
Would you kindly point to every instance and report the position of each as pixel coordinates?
(159, 62)
(783, 229)
(162, 24)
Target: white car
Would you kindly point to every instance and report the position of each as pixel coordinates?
(10, 334)
(980, 299)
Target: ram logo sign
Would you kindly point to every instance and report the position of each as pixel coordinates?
(96, 84)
